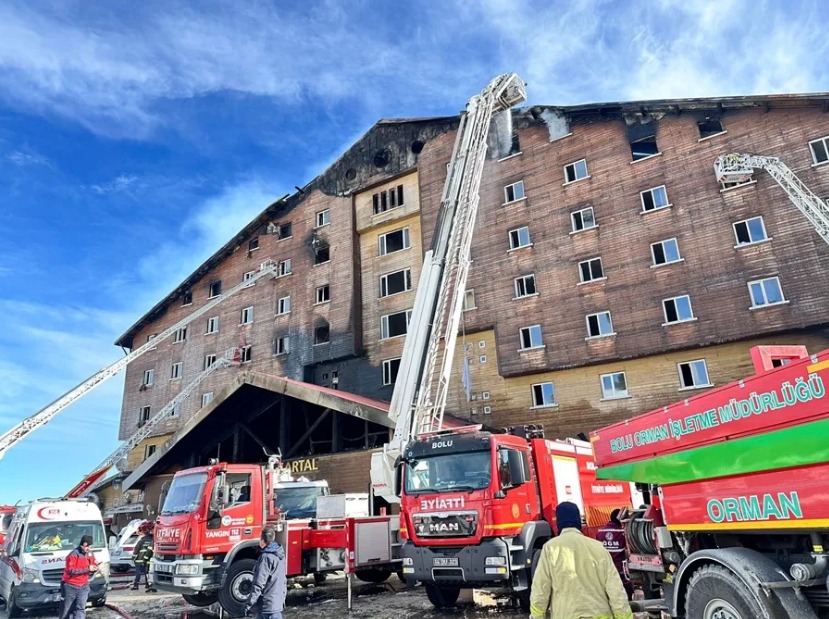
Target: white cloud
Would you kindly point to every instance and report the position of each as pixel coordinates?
(24, 159)
(123, 183)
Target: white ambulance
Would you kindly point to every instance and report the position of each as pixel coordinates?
(40, 537)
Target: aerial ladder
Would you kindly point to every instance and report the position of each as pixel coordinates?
(737, 168)
(232, 357)
(420, 391)
(16, 434)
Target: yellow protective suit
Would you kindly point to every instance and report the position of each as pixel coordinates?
(576, 579)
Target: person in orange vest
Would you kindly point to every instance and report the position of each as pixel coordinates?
(613, 538)
(80, 565)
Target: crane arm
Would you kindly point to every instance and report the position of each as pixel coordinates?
(231, 358)
(739, 168)
(43, 416)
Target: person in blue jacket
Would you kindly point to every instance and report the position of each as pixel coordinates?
(269, 588)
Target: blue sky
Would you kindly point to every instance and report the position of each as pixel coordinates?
(136, 138)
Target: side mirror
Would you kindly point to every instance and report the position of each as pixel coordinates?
(504, 470)
(398, 479)
(516, 468)
(112, 540)
(224, 496)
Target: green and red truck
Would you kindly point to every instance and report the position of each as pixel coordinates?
(735, 522)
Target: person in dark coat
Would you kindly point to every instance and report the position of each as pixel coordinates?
(612, 536)
(80, 565)
(141, 556)
(270, 584)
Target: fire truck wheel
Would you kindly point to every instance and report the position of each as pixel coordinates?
(12, 608)
(716, 593)
(524, 596)
(319, 577)
(234, 593)
(442, 597)
(202, 600)
(374, 575)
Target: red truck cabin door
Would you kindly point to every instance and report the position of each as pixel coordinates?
(242, 514)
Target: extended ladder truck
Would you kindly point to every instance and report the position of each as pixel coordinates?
(16, 434)
(736, 518)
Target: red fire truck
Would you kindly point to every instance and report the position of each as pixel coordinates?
(737, 503)
(207, 535)
(476, 507)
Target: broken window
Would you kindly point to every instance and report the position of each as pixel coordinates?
(322, 333)
(383, 201)
(284, 231)
(247, 353)
(280, 345)
(575, 171)
(394, 241)
(394, 325)
(284, 268)
(591, 270)
(187, 298)
(253, 244)
(654, 199)
(394, 283)
(515, 147)
(677, 309)
(583, 219)
(323, 294)
(750, 231)
(531, 337)
(520, 237)
(322, 254)
(514, 192)
(525, 286)
(390, 369)
(599, 325)
(469, 300)
(665, 252)
(215, 289)
(144, 415)
(644, 148)
(544, 395)
(693, 374)
(709, 128)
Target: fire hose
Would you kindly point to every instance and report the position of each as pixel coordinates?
(640, 536)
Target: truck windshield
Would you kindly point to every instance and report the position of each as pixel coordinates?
(185, 494)
(298, 502)
(445, 473)
(47, 537)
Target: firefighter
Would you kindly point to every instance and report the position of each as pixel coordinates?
(612, 537)
(141, 555)
(575, 576)
(74, 586)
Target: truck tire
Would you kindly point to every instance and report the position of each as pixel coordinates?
(13, 610)
(320, 577)
(234, 594)
(442, 597)
(524, 596)
(374, 575)
(716, 593)
(202, 600)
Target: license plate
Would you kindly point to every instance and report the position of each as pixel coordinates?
(161, 567)
(445, 562)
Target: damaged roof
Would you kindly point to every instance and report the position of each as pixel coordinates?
(390, 143)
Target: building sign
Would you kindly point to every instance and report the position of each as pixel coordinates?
(306, 465)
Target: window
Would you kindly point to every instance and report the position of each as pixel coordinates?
(208, 361)
(525, 286)
(386, 200)
(212, 325)
(514, 192)
(820, 150)
(206, 398)
(575, 171)
(520, 237)
(247, 354)
(246, 316)
(323, 218)
(284, 268)
(544, 394)
(583, 219)
(654, 199)
(394, 325)
(283, 306)
(766, 292)
(322, 254)
(149, 378)
(390, 369)
(281, 345)
(322, 334)
(152, 336)
(750, 231)
(175, 371)
(531, 337)
(469, 300)
(709, 128)
(677, 309)
(394, 241)
(144, 415)
(591, 270)
(323, 294)
(149, 450)
(599, 325)
(248, 276)
(644, 148)
(181, 335)
(614, 386)
(284, 231)
(187, 298)
(215, 289)
(253, 244)
(394, 283)
(665, 252)
(176, 410)
(693, 374)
